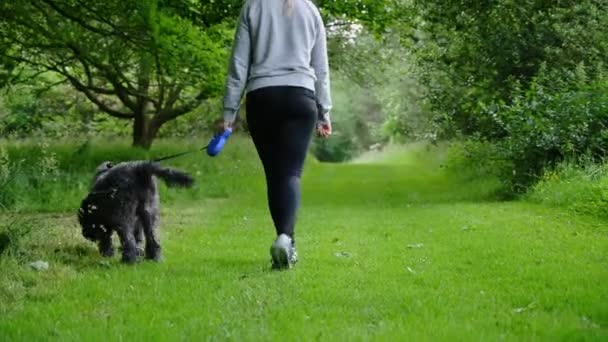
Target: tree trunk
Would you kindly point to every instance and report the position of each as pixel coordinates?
(144, 131)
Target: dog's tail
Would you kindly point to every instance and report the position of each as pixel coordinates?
(172, 177)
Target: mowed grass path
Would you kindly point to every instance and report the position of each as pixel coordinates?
(388, 252)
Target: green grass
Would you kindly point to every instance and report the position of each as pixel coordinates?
(578, 187)
(390, 250)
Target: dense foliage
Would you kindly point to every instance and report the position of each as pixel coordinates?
(523, 80)
(147, 62)
(529, 76)
(135, 60)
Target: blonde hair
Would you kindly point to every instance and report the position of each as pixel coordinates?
(289, 6)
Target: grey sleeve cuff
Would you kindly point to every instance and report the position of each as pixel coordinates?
(323, 116)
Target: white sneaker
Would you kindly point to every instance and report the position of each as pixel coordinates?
(283, 253)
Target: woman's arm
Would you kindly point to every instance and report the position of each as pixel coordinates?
(320, 64)
(238, 70)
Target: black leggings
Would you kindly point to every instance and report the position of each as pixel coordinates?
(281, 121)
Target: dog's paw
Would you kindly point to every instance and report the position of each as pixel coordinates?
(129, 258)
(156, 258)
(107, 253)
(154, 255)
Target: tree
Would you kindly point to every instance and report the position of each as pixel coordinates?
(144, 61)
(6, 65)
(473, 53)
(526, 77)
(135, 60)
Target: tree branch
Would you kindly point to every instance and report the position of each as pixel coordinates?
(120, 32)
(173, 113)
(74, 18)
(41, 91)
(29, 78)
(90, 85)
(173, 96)
(28, 61)
(108, 73)
(96, 100)
(159, 79)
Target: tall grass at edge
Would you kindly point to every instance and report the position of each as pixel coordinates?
(54, 176)
(581, 187)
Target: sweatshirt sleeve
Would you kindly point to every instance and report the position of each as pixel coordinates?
(238, 69)
(320, 64)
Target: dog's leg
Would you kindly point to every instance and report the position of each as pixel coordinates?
(105, 245)
(149, 218)
(139, 237)
(127, 239)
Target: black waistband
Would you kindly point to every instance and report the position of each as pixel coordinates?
(291, 89)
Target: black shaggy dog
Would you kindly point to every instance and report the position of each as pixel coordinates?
(124, 199)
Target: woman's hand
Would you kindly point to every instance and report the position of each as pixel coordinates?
(221, 126)
(324, 129)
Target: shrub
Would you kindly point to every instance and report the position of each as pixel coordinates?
(14, 231)
(471, 160)
(581, 187)
(559, 117)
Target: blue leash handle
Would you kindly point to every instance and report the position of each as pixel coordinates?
(215, 146)
(217, 142)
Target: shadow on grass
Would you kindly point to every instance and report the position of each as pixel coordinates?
(82, 257)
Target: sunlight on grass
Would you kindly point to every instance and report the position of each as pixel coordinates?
(420, 154)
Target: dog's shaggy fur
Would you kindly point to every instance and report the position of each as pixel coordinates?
(124, 199)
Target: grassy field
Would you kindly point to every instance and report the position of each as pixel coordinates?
(390, 249)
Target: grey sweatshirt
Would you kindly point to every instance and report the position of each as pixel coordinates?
(278, 46)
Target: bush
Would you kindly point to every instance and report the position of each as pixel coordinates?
(339, 148)
(528, 77)
(559, 117)
(6, 172)
(61, 112)
(472, 160)
(14, 231)
(581, 187)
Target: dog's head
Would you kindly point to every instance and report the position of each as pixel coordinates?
(93, 233)
(90, 220)
(90, 230)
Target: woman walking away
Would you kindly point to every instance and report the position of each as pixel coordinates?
(279, 59)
